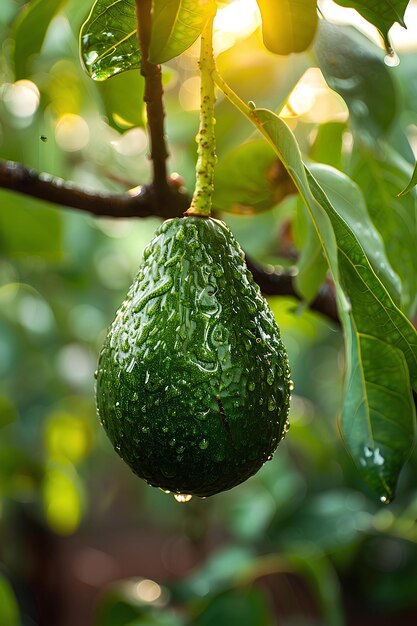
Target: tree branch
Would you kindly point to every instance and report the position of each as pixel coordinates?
(142, 201)
(278, 282)
(153, 98)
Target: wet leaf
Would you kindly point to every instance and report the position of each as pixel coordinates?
(176, 24)
(381, 344)
(355, 68)
(288, 26)
(381, 13)
(108, 39)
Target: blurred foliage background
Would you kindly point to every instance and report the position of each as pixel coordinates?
(82, 541)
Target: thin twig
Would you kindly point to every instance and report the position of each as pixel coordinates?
(153, 98)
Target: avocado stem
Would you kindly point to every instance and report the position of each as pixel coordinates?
(206, 138)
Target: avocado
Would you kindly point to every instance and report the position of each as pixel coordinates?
(193, 382)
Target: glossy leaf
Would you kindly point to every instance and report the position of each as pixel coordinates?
(108, 39)
(288, 26)
(346, 197)
(380, 174)
(28, 228)
(9, 610)
(378, 420)
(355, 68)
(30, 29)
(381, 13)
(176, 24)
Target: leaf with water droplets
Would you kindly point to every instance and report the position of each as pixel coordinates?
(381, 13)
(381, 343)
(176, 24)
(108, 40)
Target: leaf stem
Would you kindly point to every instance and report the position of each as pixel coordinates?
(206, 139)
(232, 96)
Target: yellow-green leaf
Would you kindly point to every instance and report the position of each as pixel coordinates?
(288, 26)
(176, 24)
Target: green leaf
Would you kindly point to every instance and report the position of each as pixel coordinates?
(288, 26)
(354, 67)
(29, 33)
(380, 174)
(312, 265)
(123, 111)
(9, 610)
(176, 24)
(381, 13)
(373, 411)
(411, 184)
(29, 228)
(108, 39)
(346, 197)
(328, 144)
(250, 179)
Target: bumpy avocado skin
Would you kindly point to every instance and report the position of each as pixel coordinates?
(193, 383)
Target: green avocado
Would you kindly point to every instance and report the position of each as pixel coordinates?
(193, 382)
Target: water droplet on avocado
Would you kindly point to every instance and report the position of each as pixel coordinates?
(182, 497)
(194, 360)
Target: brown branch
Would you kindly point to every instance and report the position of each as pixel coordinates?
(139, 202)
(278, 282)
(153, 98)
